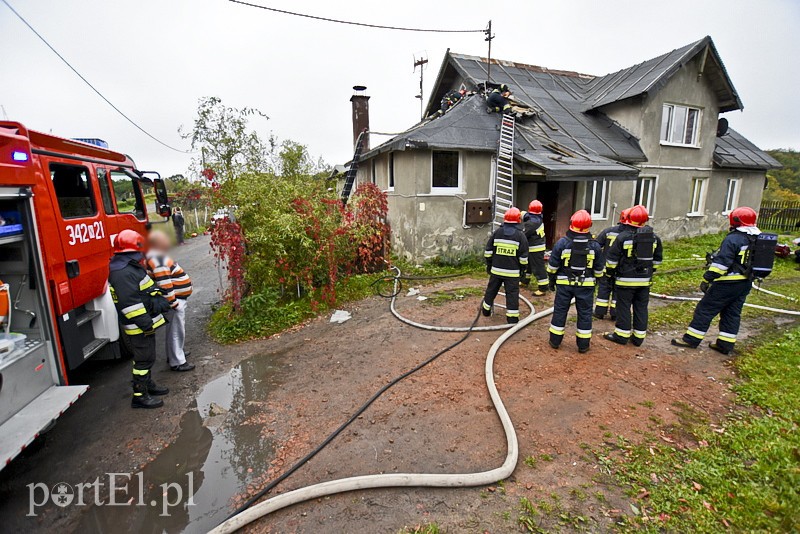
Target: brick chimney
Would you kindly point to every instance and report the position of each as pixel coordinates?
(360, 102)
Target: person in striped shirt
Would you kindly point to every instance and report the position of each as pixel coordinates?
(176, 286)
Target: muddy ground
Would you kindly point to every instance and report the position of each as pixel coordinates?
(250, 410)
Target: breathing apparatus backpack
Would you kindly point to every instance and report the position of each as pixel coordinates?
(644, 241)
(579, 258)
(761, 256)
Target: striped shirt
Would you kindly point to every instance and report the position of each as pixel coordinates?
(170, 277)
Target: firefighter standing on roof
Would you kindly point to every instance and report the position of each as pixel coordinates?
(506, 261)
(726, 284)
(497, 101)
(533, 225)
(575, 262)
(605, 302)
(631, 261)
(140, 306)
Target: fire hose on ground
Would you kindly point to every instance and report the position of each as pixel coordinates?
(747, 304)
(247, 513)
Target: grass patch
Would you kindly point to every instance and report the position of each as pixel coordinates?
(430, 528)
(437, 298)
(746, 477)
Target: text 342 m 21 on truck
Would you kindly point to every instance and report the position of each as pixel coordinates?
(62, 202)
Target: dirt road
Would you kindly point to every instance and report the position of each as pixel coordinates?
(250, 410)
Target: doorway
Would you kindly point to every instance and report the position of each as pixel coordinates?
(547, 194)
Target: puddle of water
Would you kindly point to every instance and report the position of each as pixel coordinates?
(209, 459)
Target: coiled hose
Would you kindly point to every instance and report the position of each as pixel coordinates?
(247, 513)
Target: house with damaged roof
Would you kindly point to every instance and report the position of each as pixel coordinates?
(650, 134)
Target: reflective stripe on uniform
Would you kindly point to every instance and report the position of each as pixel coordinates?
(557, 330)
(622, 333)
(140, 372)
(725, 336)
(508, 273)
(486, 306)
(583, 334)
(158, 320)
(730, 277)
(134, 310)
(538, 248)
(718, 268)
(640, 334)
(697, 334)
(523, 260)
(633, 282)
(512, 313)
(488, 253)
(146, 283)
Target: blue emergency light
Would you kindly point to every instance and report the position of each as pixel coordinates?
(20, 156)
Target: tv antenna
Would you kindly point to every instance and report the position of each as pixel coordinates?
(489, 38)
(421, 62)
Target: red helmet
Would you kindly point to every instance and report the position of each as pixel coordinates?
(513, 215)
(129, 241)
(638, 216)
(743, 216)
(623, 216)
(580, 222)
(535, 207)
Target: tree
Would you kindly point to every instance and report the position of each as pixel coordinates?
(225, 141)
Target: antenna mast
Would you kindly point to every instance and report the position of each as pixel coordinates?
(488, 39)
(421, 64)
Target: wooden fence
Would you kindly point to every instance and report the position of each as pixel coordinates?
(780, 216)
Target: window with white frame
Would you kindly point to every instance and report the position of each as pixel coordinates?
(391, 171)
(597, 199)
(697, 205)
(645, 193)
(445, 171)
(679, 125)
(732, 194)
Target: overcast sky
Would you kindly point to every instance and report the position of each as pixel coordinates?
(155, 58)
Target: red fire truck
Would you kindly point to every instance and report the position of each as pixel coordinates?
(62, 202)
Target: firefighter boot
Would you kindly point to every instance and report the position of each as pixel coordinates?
(155, 389)
(141, 398)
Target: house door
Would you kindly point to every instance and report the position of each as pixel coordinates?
(547, 194)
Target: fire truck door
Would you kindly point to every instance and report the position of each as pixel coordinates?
(84, 235)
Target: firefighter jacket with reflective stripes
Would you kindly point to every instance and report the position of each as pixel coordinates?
(170, 277)
(137, 298)
(507, 251)
(622, 263)
(497, 102)
(562, 264)
(608, 236)
(731, 262)
(533, 225)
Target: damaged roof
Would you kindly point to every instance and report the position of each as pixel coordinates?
(468, 126)
(733, 151)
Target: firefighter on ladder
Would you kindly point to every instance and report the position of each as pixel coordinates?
(605, 286)
(726, 284)
(533, 225)
(139, 306)
(631, 262)
(575, 262)
(506, 262)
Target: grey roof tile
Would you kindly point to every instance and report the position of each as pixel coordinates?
(733, 151)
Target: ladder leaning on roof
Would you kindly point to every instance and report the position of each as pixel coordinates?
(504, 169)
(352, 171)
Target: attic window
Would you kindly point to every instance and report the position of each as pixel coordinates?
(446, 172)
(679, 125)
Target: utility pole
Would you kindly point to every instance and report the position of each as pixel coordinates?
(489, 38)
(5, 115)
(421, 64)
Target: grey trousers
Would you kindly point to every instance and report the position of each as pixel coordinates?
(176, 334)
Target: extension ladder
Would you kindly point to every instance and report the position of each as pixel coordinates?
(504, 170)
(352, 172)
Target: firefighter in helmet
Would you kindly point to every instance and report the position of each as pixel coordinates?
(140, 306)
(605, 302)
(506, 261)
(497, 101)
(631, 262)
(533, 225)
(575, 262)
(726, 284)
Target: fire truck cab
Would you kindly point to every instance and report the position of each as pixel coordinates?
(62, 202)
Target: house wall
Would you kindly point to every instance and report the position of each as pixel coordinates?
(675, 167)
(424, 224)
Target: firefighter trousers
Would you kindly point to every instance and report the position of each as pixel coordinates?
(605, 297)
(637, 299)
(583, 296)
(537, 268)
(511, 286)
(144, 356)
(725, 299)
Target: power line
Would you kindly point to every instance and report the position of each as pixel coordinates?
(148, 134)
(364, 24)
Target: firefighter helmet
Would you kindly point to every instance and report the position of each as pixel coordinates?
(623, 215)
(580, 222)
(513, 215)
(535, 207)
(128, 241)
(638, 216)
(743, 216)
